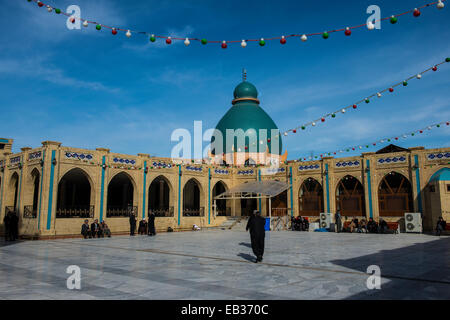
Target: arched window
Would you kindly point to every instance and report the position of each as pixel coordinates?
(350, 197)
(12, 194)
(120, 196)
(310, 198)
(30, 211)
(192, 199)
(395, 195)
(221, 204)
(74, 195)
(159, 198)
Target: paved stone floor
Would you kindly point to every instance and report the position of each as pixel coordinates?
(218, 265)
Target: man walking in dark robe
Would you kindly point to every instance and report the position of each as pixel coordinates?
(257, 234)
(151, 224)
(132, 224)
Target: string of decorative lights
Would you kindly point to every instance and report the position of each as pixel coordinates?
(379, 141)
(224, 43)
(378, 94)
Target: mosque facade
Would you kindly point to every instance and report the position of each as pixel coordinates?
(54, 188)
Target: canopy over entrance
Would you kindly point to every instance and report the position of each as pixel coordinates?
(255, 189)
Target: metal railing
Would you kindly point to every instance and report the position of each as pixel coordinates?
(29, 212)
(120, 211)
(194, 212)
(163, 212)
(75, 212)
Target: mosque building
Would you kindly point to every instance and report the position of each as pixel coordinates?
(54, 188)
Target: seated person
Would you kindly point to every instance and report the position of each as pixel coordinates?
(105, 229)
(353, 224)
(362, 226)
(305, 224)
(292, 223)
(383, 227)
(142, 227)
(372, 226)
(95, 229)
(85, 229)
(440, 226)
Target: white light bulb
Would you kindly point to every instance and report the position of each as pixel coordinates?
(343, 110)
(313, 124)
(285, 134)
(85, 23)
(128, 34)
(440, 5)
(187, 42)
(370, 25)
(304, 38)
(49, 9)
(243, 44)
(419, 76)
(378, 95)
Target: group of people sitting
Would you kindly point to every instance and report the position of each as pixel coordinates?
(363, 226)
(95, 229)
(299, 224)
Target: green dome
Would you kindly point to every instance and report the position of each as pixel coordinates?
(245, 90)
(246, 114)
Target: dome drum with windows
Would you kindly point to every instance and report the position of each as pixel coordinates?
(246, 134)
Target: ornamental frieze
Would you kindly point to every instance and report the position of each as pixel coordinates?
(391, 160)
(309, 167)
(34, 155)
(78, 156)
(438, 156)
(348, 164)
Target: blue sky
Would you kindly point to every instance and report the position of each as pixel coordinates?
(88, 89)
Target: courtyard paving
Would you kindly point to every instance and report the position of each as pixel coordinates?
(218, 264)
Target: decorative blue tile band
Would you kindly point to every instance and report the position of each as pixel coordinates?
(124, 161)
(390, 160)
(219, 171)
(35, 155)
(78, 156)
(161, 164)
(14, 160)
(346, 164)
(245, 172)
(310, 167)
(273, 170)
(438, 156)
(194, 168)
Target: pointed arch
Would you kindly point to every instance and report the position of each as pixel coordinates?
(221, 204)
(160, 197)
(310, 198)
(394, 195)
(192, 199)
(12, 193)
(350, 200)
(121, 196)
(75, 195)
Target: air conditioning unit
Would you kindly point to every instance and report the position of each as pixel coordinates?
(325, 220)
(413, 222)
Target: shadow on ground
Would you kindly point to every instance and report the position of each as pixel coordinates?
(245, 244)
(246, 257)
(420, 271)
